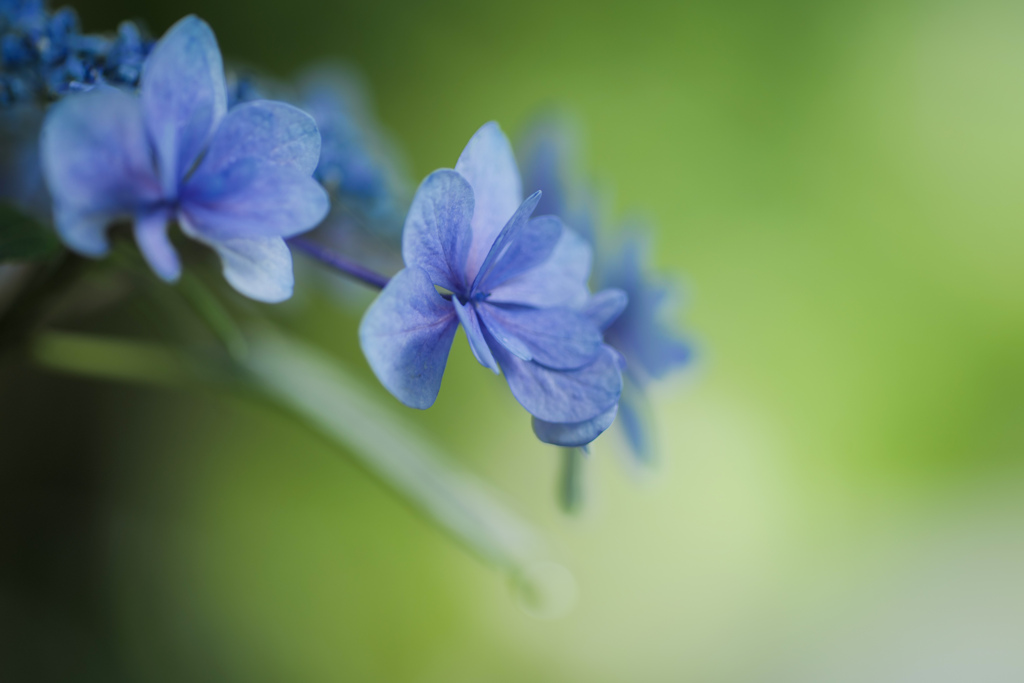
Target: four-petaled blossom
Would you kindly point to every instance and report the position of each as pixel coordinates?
(517, 285)
(237, 181)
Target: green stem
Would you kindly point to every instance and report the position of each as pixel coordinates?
(571, 488)
(208, 307)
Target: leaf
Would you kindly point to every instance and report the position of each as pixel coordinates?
(23, 238)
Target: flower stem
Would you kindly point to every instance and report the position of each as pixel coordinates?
(571, 487)
(339, 263)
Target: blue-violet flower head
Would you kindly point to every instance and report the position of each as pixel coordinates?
(518, 287)
(238, 181)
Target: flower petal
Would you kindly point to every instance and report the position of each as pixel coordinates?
(521, 245)
(563, 395)
(151, 236)
(272, 132)
(406, 335)
(253, 198)
(259, 267)
(96, 158)
(574, 434)
(471, 324)
(84, 232)
(561, 280)
(605, 306)
(437, 233)
(489, 165)
(184, 96)
(557, 338)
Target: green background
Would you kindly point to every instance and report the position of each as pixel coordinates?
(837, 189)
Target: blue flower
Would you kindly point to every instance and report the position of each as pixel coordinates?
(651, 348)
(237, 181)
(516, 284)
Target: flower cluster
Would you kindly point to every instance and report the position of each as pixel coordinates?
(44, 55)
(651, 348)
(154, 135)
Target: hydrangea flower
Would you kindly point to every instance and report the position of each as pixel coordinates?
(516, 284)
(651, 348)
(238, 181)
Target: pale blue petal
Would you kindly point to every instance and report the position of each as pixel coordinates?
(84, 232)
(406, 335)
(155, 245)
(521, 245)
(606, 306)
(252, 198)
(260, 268)
(489, 165)
(574, 434)
(95, 156)
(184, 96)
(558, 338)
(437, 233)
(274, 133)
(560, 281)
(529, 248)
(562, 395)
(471, 324)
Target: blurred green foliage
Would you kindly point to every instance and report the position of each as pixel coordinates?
(838, 189)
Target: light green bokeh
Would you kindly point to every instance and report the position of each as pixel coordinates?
(837, 189)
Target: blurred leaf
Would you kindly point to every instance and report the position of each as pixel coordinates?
(317, 389)
(22, 238)
(120, 360)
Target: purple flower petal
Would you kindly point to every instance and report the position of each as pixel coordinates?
(563, 395)
(97, 165)
(575, 434)
(184, 96)
(252, 198)
(557, 338)
(561, 280)
(156, 247)
(471, 324)
(84, 232)
(437, 229)
(258, 267)
(489, 165)
(605, 306)
(275, 133)
(521, 245)
(406, 335)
